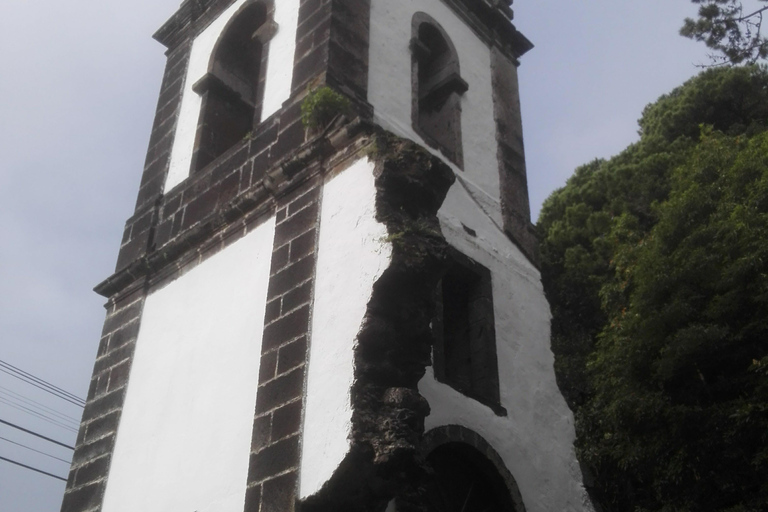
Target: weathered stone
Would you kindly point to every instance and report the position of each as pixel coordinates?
(395, 339)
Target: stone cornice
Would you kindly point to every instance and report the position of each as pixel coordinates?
(491, 19)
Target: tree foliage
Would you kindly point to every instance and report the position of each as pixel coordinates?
(733, 33)
(656, 266)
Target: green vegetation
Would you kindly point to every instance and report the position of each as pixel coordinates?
(656, 266)
(733, 33)
(321, 106)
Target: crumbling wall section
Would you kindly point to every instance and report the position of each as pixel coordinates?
(394, 344)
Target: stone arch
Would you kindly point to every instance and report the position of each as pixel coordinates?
(232, 90)
(437, 87)
(456, 443)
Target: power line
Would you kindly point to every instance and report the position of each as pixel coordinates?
(41, 384)
(37, 414)
(34, 469)
(36, 434)
(23, 379)
(41, 381)
(36, 451)
(37, 405)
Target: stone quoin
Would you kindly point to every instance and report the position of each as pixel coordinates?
(327, 298)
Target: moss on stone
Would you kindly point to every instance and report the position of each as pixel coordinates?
(322, 106)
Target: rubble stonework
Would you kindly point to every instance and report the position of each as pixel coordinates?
(393, 347)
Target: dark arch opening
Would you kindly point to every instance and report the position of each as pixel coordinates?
(232, 90)
(466, 475)
(437, 88)
(463, 480)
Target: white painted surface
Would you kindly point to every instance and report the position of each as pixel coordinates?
(184, 438)
(281, 53)
(277, 88)
(352, 255)
(536, 439)
(389, 88)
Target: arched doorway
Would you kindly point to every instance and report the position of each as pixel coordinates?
(466, 475)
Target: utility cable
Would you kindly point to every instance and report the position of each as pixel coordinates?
(37, 414)
(34, 469)
(39, 386)
(37, 405)
(36, 451)
(51, 388)
(36, 434)
(41, 381)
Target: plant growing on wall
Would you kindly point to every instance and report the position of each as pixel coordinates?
(321, 107)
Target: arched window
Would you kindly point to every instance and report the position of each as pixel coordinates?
(232, 91)
(437, 88)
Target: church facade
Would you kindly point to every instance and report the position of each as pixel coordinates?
(328, 296)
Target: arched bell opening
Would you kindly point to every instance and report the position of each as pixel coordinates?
(437, 88)
(233, 88)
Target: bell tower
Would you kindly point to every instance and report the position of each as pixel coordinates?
(328, 296)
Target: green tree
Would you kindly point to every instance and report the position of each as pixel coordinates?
(733, 33)
(680, 391)
(653, 262)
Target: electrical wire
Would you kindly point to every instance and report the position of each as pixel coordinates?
(37, 405)
(33, 450)
(21, 378)
(36, 434)
(34, 469)
(37, 414)
(40, 383)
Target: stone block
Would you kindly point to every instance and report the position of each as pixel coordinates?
(279, 494)
(92, 471)
(286, 421)
(280, 391)
(286, 329)
(84, 498)
(274, 459)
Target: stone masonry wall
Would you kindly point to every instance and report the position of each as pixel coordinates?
(513, 178)
(275, 450)
(98, 429)
(170, 233)
(325, 29)
(394, 344)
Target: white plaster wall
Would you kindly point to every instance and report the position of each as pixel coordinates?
(184, 438)
(352, 255)
(389, 88)
(281, 53)
(278, 81)
(536, 438)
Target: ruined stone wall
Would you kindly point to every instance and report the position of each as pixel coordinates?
(377, 427)
(392, 347)
(353, 251)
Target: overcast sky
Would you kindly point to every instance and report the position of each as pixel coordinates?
(78, 86)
